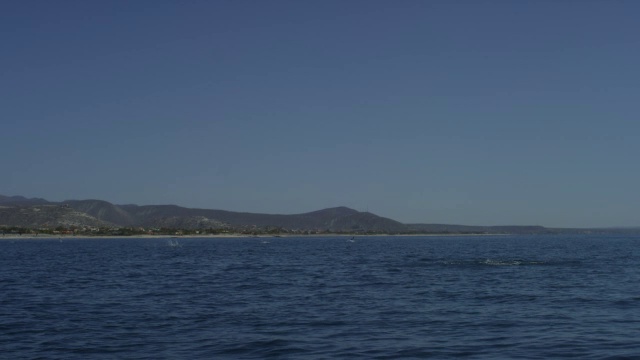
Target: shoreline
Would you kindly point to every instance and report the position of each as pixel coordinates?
(217, 236)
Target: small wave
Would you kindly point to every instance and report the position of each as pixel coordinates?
(494, 262)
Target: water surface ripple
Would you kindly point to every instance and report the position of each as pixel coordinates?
(529, 297)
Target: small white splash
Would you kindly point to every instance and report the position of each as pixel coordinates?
(173, 243)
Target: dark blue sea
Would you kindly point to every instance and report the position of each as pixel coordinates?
(477, 297)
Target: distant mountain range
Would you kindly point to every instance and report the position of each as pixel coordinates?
(20, 211)
(34, 213)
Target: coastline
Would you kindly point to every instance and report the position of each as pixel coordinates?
(217, 236)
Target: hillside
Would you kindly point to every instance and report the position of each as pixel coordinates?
(21, 201)
(46, 216)
(25, 212)
(20, 211)
(104, 211)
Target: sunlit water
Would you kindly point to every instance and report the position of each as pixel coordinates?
(372, 298)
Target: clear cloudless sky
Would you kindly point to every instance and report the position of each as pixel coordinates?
(465, 112)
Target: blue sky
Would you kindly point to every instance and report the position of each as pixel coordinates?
(467, 112)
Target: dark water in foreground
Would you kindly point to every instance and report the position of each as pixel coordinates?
(375, 298)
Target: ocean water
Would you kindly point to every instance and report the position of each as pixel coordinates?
(528, 297)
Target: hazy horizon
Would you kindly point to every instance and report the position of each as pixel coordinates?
(473, 113)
